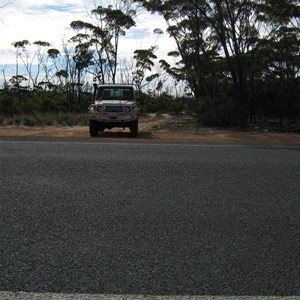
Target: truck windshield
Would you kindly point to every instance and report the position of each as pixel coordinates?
(115, 93)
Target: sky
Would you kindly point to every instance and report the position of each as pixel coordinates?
(49, 20)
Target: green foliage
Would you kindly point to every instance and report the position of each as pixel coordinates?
(278, 102)
(97, 43)
(221, 112)
(211, 33)
(164, 103)
(9, 105)
(16, 102)
(45, 119)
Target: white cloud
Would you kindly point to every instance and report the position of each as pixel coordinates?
(49, 20)
(43, 20)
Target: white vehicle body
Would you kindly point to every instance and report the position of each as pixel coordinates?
(114, 105)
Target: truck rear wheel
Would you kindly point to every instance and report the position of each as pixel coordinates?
(93, 128)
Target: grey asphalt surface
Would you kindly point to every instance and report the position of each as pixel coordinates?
(144, 218)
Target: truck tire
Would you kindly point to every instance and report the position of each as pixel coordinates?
(93, 128)
(134, 129)
(101, 126)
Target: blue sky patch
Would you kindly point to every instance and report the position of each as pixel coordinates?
(137, 33)
(53, 7)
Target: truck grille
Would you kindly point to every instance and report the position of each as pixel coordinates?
(117, 109)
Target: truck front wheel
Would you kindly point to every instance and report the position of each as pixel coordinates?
(93, 128)
(134, 129)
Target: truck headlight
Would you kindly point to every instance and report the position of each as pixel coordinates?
(100, 108)
(127, 109)
(92, 107)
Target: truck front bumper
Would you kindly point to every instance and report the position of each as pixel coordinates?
(113, 118)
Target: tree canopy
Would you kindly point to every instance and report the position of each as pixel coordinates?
(235, 42)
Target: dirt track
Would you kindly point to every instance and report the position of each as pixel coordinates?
(164, 128)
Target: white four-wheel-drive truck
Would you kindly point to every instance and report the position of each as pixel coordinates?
(114, 105)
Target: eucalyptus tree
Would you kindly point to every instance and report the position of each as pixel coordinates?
(280, 55)
(144, 62)
(196, 46)
(20, 48)
(103, 36)
(32, 55)
(235, 24)
(238, 30)
(83, 58)
(17, 81)
(202, 31)
(62, 71)
(41, 54)
(5, 84)
(68, 72)
(54, 68)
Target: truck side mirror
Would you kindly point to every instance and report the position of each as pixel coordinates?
(95, 85)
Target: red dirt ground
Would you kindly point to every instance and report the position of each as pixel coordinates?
(163, 128)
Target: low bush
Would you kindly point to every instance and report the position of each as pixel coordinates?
(221, 112)
(45, 119)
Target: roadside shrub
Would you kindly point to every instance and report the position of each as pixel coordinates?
(29, 120)
(9, 105)
(45, 119)
(221, 112)
(164, 103)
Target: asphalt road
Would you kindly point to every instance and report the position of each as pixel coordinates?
(144, 218)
